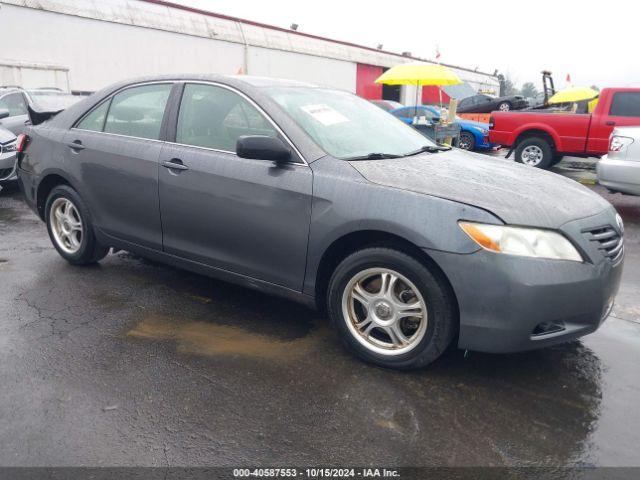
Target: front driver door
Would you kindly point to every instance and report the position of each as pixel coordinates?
(249, 217)
(623, 111)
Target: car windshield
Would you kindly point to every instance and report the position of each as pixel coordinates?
(346, 126)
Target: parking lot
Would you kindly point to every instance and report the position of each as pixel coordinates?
(135, 363)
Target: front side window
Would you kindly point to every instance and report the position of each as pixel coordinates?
(625, 104)
(14, 102)
(138, 111)
(214, 117)
(346, 126)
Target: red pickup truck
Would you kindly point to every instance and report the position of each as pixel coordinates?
(541, 139)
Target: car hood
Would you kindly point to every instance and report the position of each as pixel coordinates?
(471, 123)
(6, 136)
(517, 194)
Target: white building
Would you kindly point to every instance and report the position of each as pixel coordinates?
(83, 45)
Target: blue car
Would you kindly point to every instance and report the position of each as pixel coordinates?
(473, 135)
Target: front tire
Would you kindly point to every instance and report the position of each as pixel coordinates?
(534, 152)
(466, 141)
(390, 309)
(70, 228)
(504, 106)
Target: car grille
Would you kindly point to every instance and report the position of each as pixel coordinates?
(5, 173)
(608, 240)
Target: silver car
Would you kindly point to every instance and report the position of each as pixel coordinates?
(7, 153)
(619, 170)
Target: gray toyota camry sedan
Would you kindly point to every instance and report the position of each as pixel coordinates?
(320, 196)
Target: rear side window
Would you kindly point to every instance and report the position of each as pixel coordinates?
(625, 104)
(138, 111)
(214, 117)
(95, 120)
(15, 103)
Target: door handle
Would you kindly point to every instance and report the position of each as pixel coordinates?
(610, 123)
(76, 145)
(175, 164)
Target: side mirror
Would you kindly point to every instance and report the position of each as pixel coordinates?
(4, 113)
(262, 147)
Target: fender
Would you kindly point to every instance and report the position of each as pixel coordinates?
(536, 126)
(42, 177)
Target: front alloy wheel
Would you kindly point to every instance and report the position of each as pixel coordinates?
(391, 308)
(384, 311)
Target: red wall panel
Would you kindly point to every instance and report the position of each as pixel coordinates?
(365, 82)
(430, 96)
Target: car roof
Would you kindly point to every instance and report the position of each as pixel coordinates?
(9, 88)
(233, 80)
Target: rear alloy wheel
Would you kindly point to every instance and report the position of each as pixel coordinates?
(70, 229)
(66, 225)
(534, 152)
(466, 141)
(504, 106)
(390, 309)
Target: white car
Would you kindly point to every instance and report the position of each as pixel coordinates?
(619, 170)
(8, 150)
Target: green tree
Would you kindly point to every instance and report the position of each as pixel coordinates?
(507, 87)
(529, 90)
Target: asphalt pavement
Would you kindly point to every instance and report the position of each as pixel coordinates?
(135, 363)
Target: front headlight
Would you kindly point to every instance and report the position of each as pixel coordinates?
(522, 241)
(11, 147)
(482, 131)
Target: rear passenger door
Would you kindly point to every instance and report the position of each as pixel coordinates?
(250, 217)
(114, 151)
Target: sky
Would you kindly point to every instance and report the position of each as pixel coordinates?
(595, 41)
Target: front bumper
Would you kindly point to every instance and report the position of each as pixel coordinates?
(503, 300)
(619, 175)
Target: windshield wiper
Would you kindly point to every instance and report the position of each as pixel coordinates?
(429, 149)
(374, 156)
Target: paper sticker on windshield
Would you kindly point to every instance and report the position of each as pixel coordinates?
(325, 114)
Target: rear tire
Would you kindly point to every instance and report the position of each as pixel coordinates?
(405, 325)
(466, 141)
(534, 152)
(70, 227)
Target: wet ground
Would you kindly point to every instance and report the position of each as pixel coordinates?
(134, 363)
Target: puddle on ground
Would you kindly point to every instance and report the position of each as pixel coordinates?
(7, 215)
(203, 338)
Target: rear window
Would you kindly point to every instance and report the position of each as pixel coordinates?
(625, 104)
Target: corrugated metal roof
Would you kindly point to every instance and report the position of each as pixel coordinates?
(164, 15)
